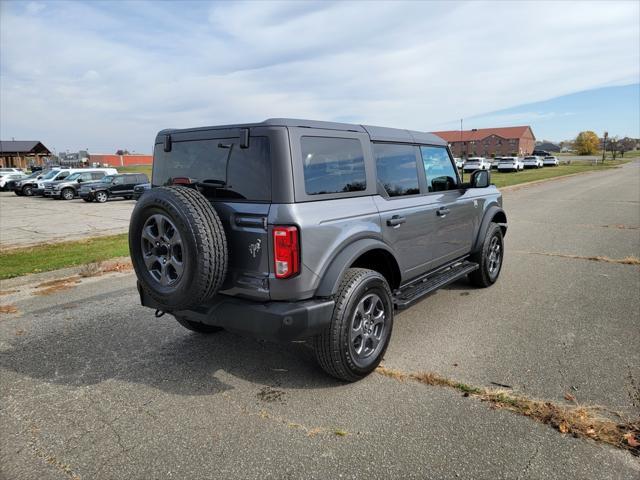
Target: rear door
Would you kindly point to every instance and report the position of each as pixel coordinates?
(456, 210)
(408, 218)
(118, 186)
(237, 181)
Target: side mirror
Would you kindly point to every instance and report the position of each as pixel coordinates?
(480, 179)
(80, 180)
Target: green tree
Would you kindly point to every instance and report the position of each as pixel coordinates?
(587, 143)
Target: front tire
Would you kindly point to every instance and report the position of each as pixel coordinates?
(27, 191)
(490, 258)
(68, 194)
(101, 197)
(354, 343)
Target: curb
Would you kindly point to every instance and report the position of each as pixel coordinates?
(21, 281)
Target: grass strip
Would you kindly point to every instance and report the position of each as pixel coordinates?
(577, 420)
(43, 258)
(505, 179)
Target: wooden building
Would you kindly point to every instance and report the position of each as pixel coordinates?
(22, 153)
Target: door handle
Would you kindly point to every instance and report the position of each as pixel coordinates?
(396, 221)
(443, 211)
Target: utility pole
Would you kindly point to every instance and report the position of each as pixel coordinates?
(461, 155)
(604, 146)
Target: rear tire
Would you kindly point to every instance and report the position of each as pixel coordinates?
(27, 191)
(355, 342)
(88, 199)
(490, 258)
(197, 326)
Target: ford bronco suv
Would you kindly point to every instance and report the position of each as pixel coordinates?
(295, 229)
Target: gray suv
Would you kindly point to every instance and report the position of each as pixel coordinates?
(68, 188)
(295, 229)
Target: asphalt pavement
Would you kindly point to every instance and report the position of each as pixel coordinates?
(93, 386)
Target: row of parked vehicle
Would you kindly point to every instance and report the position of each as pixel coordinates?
(506, 164)
(90, 184)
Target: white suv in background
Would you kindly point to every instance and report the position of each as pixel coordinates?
(510, 164)
(533, 161)
(476, 163)
(550, 161)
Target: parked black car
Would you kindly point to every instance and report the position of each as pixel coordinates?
(138, 190)
(120, 185)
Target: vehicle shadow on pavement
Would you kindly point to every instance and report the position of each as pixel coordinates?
(159, 353)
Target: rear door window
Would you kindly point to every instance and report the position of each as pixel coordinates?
(439, 169)
(332, 165)
(396, 168)
(245, 176)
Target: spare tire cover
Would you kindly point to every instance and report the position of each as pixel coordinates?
(178, 247)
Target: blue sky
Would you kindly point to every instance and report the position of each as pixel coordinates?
(612, 109)
(107, 75)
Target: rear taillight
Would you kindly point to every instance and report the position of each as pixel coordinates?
(286, 251)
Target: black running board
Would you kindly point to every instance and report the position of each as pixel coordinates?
(412, 293)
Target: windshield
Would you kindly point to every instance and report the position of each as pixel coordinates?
(51, 174)
(529, 158)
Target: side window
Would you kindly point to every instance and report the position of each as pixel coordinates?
(85, 177)
(332, 165)
(97, 175)
(396, 168)
(439, 169)
(62, 176)
(118, 181)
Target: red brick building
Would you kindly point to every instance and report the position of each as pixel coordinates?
(120, 160)
(490, 142)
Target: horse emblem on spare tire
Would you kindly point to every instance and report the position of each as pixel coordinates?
(178, 247)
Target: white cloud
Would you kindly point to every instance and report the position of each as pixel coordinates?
(112, 77)
(34, 8)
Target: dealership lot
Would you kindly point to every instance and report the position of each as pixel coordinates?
(95, 387)
(33, 220)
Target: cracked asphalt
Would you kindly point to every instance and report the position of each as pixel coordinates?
(29, 221)
(94, 387)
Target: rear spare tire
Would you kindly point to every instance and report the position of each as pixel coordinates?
(178, 247)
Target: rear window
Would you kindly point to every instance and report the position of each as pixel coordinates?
(332, 165)
(247, 173)
(396, 168)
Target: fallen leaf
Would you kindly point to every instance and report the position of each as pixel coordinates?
(563, 427)
(631, 440)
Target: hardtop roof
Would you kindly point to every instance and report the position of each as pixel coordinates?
(383, 134)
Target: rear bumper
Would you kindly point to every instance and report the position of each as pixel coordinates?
(279, 321)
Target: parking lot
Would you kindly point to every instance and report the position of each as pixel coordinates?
(28, 221)
(95, 387)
